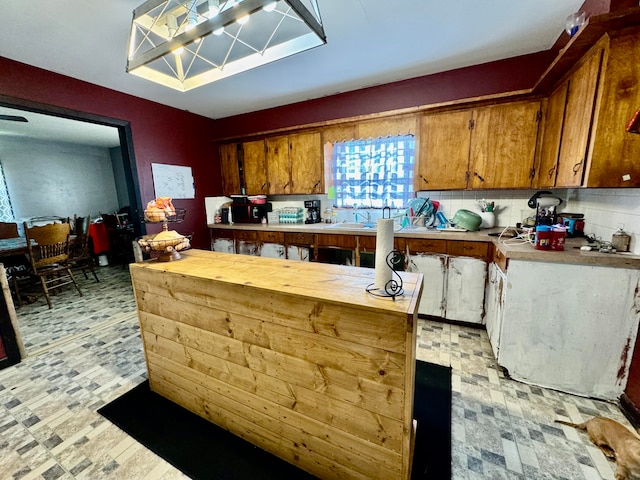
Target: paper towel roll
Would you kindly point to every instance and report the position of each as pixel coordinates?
(384, 245)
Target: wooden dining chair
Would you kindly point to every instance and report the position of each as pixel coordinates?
(80, 257)
(50, 256)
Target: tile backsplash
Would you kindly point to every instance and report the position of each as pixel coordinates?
(605, 210)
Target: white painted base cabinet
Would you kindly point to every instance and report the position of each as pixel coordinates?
(494, 305)
(223, 245)
(272, 250)
(454, 287)
(568, 327)
(295, 252)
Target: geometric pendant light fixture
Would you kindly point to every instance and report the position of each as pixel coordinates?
(187, 44)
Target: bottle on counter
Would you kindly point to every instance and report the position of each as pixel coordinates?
(620, 240)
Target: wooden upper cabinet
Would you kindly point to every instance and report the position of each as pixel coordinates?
(305, 158)
(615, 153)
(254, 167)
(503, 145)
(443, 155)
(279, 166)
(581, 95)
(547, 169)
(229, 168)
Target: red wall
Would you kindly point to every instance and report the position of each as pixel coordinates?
(160, 134)
(502, 76)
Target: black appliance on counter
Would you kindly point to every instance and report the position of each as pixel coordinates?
(313, 211)
(545, 206)
(250, 212)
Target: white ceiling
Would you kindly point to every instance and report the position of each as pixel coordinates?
(369, 42)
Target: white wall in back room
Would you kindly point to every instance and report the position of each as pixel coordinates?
(53, 178)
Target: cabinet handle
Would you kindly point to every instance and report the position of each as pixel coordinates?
(551, 170)
(316, 185)
(264, 186)
(576, 167)
(424, 179)
(285, 186)
(479, 177)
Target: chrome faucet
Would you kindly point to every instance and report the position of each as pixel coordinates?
(358, 214)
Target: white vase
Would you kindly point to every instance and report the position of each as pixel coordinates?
(488, 219)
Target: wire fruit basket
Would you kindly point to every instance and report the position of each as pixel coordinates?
(166, 248)
(162, 216)
(166, 245)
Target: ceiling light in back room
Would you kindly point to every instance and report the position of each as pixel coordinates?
(247, 34)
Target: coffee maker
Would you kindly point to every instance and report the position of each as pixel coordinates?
(313, 211)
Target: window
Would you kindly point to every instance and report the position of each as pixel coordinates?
(6, 210)
(373, 173)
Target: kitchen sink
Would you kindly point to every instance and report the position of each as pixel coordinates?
(364, 226)
(353, 225)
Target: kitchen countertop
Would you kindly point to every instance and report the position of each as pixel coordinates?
(512, 249)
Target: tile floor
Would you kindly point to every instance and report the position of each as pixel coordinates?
(49, 427)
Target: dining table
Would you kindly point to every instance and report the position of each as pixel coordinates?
(14, 246)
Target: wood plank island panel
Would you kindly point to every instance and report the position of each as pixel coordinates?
(295, 357)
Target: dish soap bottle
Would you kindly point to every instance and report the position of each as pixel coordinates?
(620, 240)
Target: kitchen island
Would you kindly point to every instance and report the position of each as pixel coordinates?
(295, 357)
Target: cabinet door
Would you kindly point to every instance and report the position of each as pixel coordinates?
(465, 286)
(577, 121)
(223, 245)
(494, 302)
(615, 152)
(433, 267)
(444, 151)
(279, 166)
(296, 252)
(503, 145)
(254, 167)
(305, 158)
(229, 168)
(547, 169)
(273, 250)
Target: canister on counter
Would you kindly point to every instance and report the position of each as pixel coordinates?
(544, 237)
(620, 240)
(558, 235)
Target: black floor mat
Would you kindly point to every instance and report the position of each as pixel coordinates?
(202, 450)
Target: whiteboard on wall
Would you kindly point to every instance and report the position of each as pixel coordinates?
(173, 181)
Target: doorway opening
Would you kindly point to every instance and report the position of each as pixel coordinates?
(49, 123)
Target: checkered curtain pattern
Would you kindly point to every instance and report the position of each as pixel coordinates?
(375, 172)
(6, 210)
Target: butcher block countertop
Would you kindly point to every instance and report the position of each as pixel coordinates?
(507, 247)
(295, 357)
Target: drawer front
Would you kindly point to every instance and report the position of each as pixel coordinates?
(219, 233)
(367, 244)
(298, 238)
(468, 249)
(336, 240)
(500, 259)
(419, 245)
(246, 235)
(271, 237)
